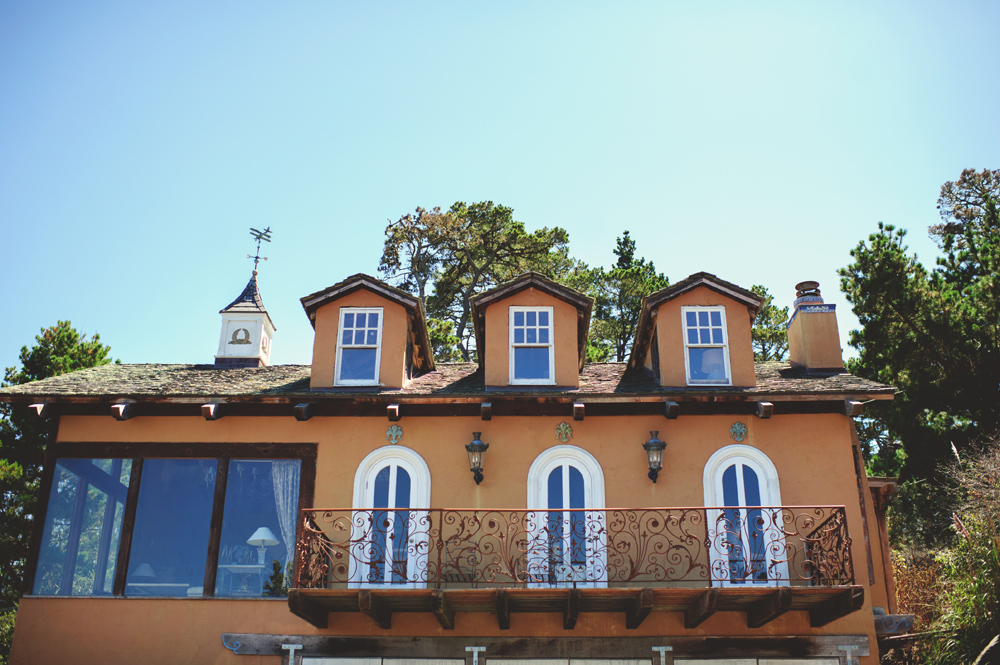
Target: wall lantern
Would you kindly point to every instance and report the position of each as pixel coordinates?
(476, 450)
(654, 453)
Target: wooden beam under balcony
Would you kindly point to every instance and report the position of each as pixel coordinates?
(761, 604)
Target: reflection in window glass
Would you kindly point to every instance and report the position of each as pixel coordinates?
(83, 522)
(258, 527)
(171, 532)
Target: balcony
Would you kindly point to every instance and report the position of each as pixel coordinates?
(763, 561)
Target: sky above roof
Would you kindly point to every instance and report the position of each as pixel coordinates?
(756, 141)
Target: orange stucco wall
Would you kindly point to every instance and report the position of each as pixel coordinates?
(814, 341)
(497, 356)
(812, 455)
(394, 331)
(670, 331)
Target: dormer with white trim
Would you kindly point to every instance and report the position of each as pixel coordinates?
(697, 334)
(531, 333)
(369, 335)
(247, 331)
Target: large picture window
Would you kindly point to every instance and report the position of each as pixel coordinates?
(172, 526)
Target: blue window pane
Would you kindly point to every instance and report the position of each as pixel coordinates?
(346, 337)
(359, 336)
(373, 320)
(349, 320)
(519, 335)
(578, 526)
(692, 335)
(754, 526)
(518, 318)
(357, 364)
(702, 318)
(731, 526)
(750, 486)
(706, 336)
(555, 489)
(543, 335)
(692, 319)
(400, 531)
(259, 494)
(716, 318)
(532, 335)
(376, 548)
(372, 337)
(531, 363)
(707, 364)
(716, 335)
(530, 318)
(170, 538)
(79, 550)
(543, 318)
(729, 491)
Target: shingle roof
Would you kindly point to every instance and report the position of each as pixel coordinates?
(161, 380)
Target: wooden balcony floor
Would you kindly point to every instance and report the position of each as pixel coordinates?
(761, 604)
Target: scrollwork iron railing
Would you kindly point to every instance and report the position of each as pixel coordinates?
(694, 547)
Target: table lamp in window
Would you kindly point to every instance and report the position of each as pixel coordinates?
(262, 538)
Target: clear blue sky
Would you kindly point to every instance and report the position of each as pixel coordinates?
(757, 141)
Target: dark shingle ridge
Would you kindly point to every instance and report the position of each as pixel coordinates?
(178, 380)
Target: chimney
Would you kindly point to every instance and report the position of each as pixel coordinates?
(813, 338)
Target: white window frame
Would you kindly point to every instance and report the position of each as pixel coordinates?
(770, 495)
(595, 575)
(550, 346)
(725, 346)
(377, 346)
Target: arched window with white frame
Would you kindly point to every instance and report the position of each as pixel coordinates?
(747, 546)
(566, 519)
(392, 492)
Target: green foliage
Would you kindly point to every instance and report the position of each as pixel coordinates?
(7, 618)
(769, 335)
(935, 334)
(468, 249)
(618, 295)
(443, 341)
(972, 565)
(276, 586)
(23, 437)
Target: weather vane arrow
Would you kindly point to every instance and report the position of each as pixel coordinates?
(264, 235)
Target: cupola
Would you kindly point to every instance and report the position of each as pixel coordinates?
(813, 337)
(247, 330)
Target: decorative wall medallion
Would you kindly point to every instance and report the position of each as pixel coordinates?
(564, 432)
(738, 431)
(394, 434)
(240, 336)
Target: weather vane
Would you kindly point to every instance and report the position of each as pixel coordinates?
(264, 235)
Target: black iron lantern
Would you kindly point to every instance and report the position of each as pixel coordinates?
(654, 454)
(476, 450)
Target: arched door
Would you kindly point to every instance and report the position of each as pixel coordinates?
(566, 498)
(745, 530)
(390, 539)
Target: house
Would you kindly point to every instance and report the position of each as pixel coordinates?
(688, 506)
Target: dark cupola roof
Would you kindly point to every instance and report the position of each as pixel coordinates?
(249, 301)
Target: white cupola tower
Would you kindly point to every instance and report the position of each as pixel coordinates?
(247, 331)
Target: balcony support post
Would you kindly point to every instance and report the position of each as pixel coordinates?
(842, 604)
(442, 609)
(642, 605)
(770, 607)
(572, 611)
(503, 610)
(371, 606)
(701, 609)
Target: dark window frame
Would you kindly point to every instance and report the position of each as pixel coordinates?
(137, 452)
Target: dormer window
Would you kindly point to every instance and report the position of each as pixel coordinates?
(706, 349)
(531, 354)
(359, 346)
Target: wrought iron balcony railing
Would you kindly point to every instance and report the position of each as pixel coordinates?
(684, 547)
